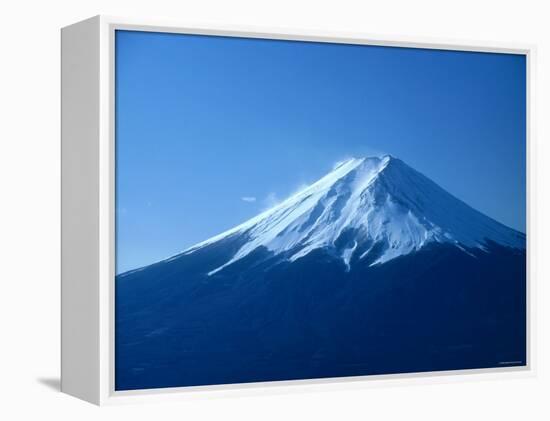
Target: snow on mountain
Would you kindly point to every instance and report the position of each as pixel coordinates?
(375, 208)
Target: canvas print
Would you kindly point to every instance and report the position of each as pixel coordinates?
(291, 210)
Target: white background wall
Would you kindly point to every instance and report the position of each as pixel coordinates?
(29, 207)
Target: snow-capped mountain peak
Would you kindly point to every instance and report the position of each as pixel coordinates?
(370, 209)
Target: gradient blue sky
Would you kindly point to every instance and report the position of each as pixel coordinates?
(212, 130)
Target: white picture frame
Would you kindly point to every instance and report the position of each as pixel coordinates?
(88, 249)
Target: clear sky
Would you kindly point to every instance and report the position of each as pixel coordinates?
(212, 130)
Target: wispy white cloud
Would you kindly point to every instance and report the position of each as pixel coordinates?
(249, 199)
(271, 200)
(341, 162)
(364, 152)
(300, 187)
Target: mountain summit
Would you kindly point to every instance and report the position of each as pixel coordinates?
(371, 210)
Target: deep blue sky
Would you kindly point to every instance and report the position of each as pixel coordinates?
(205, 122)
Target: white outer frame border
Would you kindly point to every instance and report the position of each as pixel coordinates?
(108, 26)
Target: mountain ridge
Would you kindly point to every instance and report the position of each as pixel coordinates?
(387, 204)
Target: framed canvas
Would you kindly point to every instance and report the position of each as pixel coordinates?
(244, 208)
